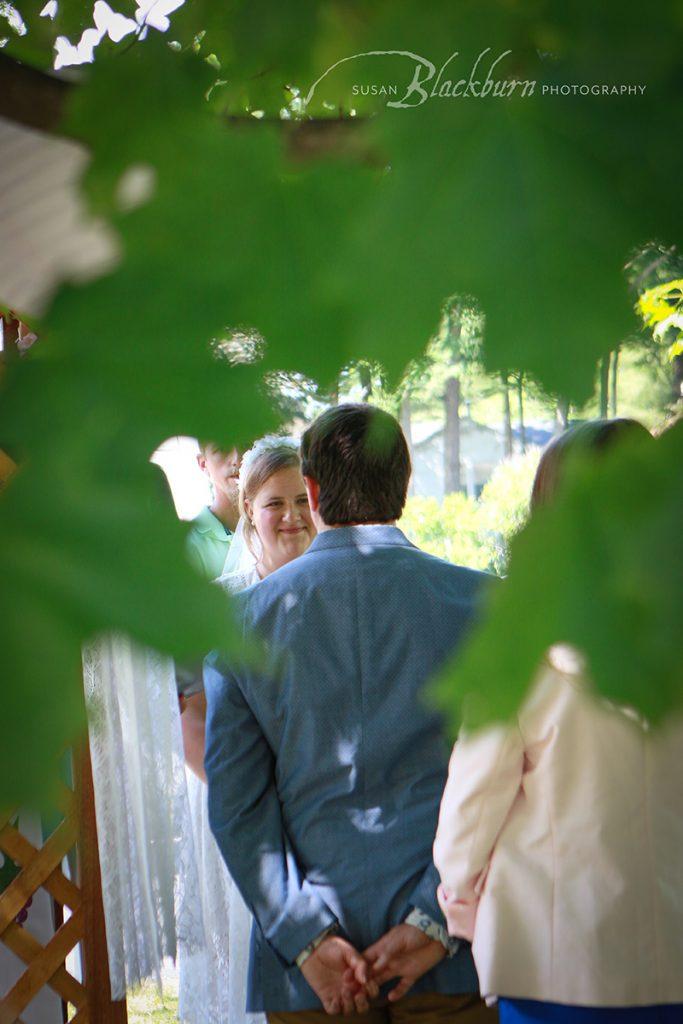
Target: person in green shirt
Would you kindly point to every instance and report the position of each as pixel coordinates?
(211, 532)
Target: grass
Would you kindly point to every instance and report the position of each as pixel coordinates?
(145, 1005)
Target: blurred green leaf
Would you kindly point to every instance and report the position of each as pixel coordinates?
(611, 585)
(339, 242)
(121, 364)
(262, 46)
(517, 201)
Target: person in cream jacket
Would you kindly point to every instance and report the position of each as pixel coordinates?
(560, 845)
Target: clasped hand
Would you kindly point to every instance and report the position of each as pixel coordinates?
(345, 980)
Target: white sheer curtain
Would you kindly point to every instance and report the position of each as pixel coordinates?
(213, 980)
(150, 885)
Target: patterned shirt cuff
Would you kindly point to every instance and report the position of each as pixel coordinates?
(433, 929)
(312, 946)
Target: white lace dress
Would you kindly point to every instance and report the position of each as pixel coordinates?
(213, 980)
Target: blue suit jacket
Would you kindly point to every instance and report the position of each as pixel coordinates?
(326, 767)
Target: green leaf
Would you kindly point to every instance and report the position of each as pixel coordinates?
(657, 304)
(261, 45)
(86, 544)
(531, 205)
(611, 585)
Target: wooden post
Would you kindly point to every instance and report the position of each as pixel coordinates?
(101, 1009)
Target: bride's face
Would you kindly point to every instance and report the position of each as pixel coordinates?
(282, 517)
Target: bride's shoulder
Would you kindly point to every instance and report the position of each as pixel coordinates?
(234, 582)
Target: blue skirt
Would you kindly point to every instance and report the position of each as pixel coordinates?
(530, 1011)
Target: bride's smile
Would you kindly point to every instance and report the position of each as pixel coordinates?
(281, 516)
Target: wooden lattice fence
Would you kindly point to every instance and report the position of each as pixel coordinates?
(88, 1001)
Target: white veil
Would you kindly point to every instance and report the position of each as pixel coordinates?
(240, 557)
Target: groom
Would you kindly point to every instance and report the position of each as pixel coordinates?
(326, 764)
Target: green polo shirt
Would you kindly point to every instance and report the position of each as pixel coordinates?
(207, 544)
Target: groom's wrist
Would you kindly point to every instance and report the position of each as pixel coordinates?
(313, 945)
(426, 924)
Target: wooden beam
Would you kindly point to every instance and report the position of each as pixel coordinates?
(38, 99)
(31, 97)
(94, 946)
(40, 970)
(34, 875)
(23, 853)
(23, 944)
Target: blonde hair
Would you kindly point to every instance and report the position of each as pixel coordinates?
(266, 457)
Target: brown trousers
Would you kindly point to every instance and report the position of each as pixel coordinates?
(429, 1008)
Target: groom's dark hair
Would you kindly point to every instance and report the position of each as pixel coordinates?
(359, 457)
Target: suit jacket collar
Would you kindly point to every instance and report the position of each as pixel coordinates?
(372, 536)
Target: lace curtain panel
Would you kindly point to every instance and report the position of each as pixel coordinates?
(150, 884)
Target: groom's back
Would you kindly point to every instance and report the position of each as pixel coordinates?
(356, 628)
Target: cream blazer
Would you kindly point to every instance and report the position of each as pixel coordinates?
(560, 849)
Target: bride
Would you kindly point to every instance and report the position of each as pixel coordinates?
(275, 527)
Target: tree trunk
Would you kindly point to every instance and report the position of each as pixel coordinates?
(507, 415)
(677, 381)
(452, 436)
(520, 412)
(365, 375)
(604, 386)
(614, 377)
(562, 413)
(408, 432)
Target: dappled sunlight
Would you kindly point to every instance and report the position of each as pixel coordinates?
(108, 22)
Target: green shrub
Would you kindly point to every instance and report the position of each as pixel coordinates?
(504, 504)
(473, 532)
